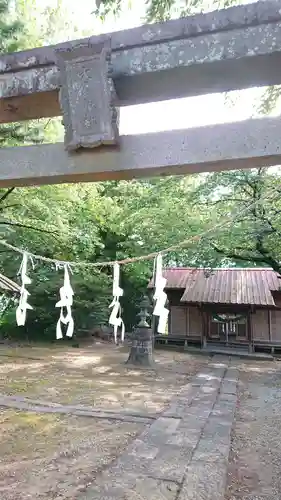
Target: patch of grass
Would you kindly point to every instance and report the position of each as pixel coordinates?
(24, 385)
(23, 433)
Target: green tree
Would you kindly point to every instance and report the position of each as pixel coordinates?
(102, 222)
(9, 29)
(76, 223)
(254, 238)
(11, 33)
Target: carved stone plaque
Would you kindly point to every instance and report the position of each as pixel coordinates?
(87, 96)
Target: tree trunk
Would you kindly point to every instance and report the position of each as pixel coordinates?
(141, 350)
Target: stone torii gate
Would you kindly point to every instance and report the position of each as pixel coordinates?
(87, 80)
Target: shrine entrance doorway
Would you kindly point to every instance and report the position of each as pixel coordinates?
(228, 328)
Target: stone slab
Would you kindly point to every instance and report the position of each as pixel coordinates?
(180, 405)
(205, 398)
(164, 425)
(159, 432)
(193, 421)
(211, 384)
(218, 429)
(132, 488)
(170, 463)
(186, 393)
(209, 450)
(188, 432)
(201, 412)
(186, 438)
(142, 449)
(227, 399)
(204, 481)
(225, 411)
(232, 373)
(228, 387)
(211, 374)
(175, 411)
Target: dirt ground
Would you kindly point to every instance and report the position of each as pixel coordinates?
(255, 459)
(50, 456)
(94, 376)
(54, 456)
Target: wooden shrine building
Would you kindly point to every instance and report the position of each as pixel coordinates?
(224, 307)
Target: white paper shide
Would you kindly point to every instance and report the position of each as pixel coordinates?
(115, 318)
(65, 303)
(24, 294)
(160, 297)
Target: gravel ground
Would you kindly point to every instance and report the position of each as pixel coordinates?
(255, 459)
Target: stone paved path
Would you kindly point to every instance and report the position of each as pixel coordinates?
(183, 455)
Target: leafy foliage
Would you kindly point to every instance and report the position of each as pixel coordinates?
(254, 238)
(9, 29)
(108, 221)
(13, 37)
(162, 10)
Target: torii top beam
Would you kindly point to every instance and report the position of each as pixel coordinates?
(219, 51)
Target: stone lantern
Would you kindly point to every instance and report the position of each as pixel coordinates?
(141, 349)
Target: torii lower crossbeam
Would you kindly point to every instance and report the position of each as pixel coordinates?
(251, 143)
